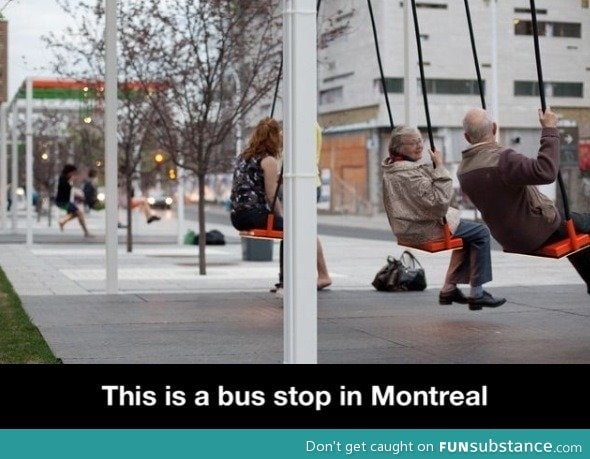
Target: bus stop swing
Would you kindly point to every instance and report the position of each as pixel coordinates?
(448, 241)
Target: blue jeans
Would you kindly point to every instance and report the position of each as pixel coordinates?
(473, 263)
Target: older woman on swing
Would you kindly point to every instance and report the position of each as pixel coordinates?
(416, 198)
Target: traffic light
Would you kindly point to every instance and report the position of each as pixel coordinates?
(172, 173)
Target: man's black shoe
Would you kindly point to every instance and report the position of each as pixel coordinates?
(454, 296)
(485, 301)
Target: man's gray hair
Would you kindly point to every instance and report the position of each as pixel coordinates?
(478, 125)
(396, 140)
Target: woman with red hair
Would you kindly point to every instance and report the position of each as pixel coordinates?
(255, 183)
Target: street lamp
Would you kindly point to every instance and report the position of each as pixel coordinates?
(159, 160)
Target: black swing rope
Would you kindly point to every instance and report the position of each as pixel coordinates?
(422, 77)
(566, 207)
(383, 83)
(474, 52)
(272, 113)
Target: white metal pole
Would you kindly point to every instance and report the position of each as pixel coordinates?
(3, 166)
(410, 81)
(14, 166)
(300, 170)
(180, 204)
(29, 161)
(239, 137)
(110, 143)
(494, 89)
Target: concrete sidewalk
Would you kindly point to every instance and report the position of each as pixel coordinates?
(167, 313)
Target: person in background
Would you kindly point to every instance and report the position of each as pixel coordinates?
(64, 199)
(324, 279)
(416, 198)
(501, 184)
(136, 202)
(90, 192)
(8, 197)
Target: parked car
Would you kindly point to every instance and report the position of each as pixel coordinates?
(160, 201)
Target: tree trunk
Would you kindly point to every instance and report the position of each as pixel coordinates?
(129, 187)
(202, 233)
(129, 223)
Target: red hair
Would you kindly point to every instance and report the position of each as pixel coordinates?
(265, 140)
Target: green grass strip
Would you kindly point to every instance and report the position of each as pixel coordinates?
(20, 340)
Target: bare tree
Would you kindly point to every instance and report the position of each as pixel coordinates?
(203, 51)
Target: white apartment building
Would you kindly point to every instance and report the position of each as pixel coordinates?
(351, 105)
(352, 108)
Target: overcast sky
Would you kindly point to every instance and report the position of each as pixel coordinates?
(27, 21)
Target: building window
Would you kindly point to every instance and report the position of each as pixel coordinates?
(344, 16)
(549, 29)
(438, 6)
(335, 28)
(327, 37)
(393, 85)
(528, 10)
(552, 89)
(338, 77)
(330, 96)
(447, 86)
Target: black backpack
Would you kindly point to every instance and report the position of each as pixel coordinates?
(213, 237)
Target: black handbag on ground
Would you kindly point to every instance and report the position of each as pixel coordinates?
(403, 274)
(213, 237)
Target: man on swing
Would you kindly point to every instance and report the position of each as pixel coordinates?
(501, 184)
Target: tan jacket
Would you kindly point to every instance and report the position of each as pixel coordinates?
(416, 198)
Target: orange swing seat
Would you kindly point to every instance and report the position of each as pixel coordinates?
(559, 249)
(448, 242)
(264, 233)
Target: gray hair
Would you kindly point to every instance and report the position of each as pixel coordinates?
(396, 140)
(478, 125)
